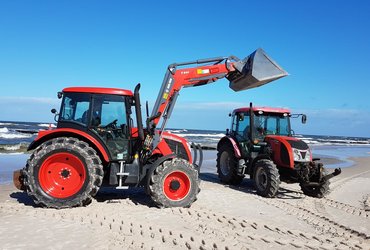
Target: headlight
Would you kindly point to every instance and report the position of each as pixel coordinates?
(297, 155)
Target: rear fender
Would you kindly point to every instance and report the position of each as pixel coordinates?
(46, 135)
(233, 143)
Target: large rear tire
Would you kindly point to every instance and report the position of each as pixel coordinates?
(266, 178)
(227, 165)
(174, 183)
(63, 172)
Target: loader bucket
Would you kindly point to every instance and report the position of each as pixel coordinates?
(255, 70)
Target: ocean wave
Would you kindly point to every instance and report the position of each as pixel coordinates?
(177, 131)
(8, 134)
(47, 125)
(201, 135)
(14, 148)
(6, 124)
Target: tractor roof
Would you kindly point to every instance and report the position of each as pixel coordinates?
(264, 109)
(97, 90)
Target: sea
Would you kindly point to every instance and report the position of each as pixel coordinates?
(15, 138)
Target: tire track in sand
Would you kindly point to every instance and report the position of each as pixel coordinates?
(332, 203)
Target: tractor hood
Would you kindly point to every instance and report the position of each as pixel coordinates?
(255, 70)
(292, 141)
(289, 150)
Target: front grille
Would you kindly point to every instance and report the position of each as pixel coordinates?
(177, 148)
(303, 154)
(301, 145)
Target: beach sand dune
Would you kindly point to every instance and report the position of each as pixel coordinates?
(223, 217)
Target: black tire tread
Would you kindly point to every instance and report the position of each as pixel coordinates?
(93, 163)
(233, 178)
(273, 177)
(156, 179)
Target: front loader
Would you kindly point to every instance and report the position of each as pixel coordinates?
(96, 140)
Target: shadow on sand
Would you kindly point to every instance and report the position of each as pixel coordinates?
(23, 198)
(247, 186)
(137, 195)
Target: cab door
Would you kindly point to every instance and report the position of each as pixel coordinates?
(109, 120)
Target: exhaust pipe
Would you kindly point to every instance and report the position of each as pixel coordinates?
(139, 118)
(255, 70)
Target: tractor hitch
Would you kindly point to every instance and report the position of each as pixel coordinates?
(324, 178)
(253, 71)
(18, 180)
(336, 172)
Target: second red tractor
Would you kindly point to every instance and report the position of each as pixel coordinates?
(261, 144)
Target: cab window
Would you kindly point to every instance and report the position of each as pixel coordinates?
(75, 108)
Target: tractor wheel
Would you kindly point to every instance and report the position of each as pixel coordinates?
(316, 191)
(174, 183)
(266, 178)
(63, 172)
(227, 166)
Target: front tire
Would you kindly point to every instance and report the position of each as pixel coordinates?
(63, 172)
(174, 183)
(227, 165)
(266, 178)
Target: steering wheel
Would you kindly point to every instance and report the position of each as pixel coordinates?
(112, 125)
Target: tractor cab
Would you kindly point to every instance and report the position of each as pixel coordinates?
(104, 113)
(251, 125)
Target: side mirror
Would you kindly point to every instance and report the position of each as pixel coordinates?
(304, 119)
(56, 114)
(60, 94)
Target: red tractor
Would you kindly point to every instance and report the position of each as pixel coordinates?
(260, 144)
(96, 140)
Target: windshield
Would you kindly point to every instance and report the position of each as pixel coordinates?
(75, 107)
(271, 124)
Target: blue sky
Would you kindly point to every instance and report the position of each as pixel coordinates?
(324, 45)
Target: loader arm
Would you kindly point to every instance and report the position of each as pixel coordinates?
(253, 71)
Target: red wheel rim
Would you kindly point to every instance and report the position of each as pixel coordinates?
(176, 185)
(62, 175)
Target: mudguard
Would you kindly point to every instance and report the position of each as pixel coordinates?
(45, 135)
(229, 139)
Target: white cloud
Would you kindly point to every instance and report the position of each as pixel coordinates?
(210, 105)
(29, 100)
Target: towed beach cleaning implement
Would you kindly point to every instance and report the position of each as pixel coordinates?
(97, 141)
(261, 144)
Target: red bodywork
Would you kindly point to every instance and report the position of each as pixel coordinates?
(45, 135)
(96, 90)
(164, 149)
(161, 149)
(264, 109)
(191, 77)
(277, 142)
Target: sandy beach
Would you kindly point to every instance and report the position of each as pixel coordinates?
(223, 217)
